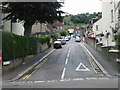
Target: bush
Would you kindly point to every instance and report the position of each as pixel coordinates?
(15, 46)
(63, 32)
(54, 36)
(44, 39)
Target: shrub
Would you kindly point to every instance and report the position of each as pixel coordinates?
(44, 39)
(54, 36)
(15, 46)
(63, 32)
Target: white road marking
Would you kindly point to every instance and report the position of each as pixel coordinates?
(76, 79)
(85, 68)
(68, 55)
(65, 80)
(51, 81)
(68, 79)
(66, 61)
(63, 74)
(104, 78)
(91, 78)
(69, 51)
(39, 81)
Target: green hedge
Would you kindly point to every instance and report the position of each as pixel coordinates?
(15, 46)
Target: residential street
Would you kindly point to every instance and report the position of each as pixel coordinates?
(69, 66)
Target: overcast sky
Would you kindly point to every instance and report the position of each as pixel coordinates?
(81, 6)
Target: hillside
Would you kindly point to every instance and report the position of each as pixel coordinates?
(80, 19)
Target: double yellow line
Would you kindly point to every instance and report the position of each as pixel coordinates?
(26, 77)
(94, 66)
(30, 74)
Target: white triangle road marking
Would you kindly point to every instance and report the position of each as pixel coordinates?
(85, 68)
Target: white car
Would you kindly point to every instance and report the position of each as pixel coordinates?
(66, 38)
(77, 39)
(57, 44)
(63, 41)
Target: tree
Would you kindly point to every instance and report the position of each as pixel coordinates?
(32, 12)
(83, 18)
(63, 33)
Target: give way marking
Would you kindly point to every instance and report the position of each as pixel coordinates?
(82, 67)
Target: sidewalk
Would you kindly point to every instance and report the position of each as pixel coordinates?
(111, 68)
(14, 73)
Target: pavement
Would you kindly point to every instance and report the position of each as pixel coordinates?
(24, 66)
(110, 67)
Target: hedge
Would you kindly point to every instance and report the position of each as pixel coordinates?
(15, 46)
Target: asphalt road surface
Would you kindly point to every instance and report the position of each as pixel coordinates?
(68, 67)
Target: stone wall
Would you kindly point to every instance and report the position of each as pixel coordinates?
(104, 52)
(91, 43)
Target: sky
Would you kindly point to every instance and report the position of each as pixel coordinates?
(81, 6)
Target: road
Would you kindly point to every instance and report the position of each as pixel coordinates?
(68, 67)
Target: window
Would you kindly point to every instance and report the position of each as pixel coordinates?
(112, 16)
(96, 27)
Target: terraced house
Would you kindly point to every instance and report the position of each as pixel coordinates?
(108, 25)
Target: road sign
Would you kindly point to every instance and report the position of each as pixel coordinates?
(82, 67)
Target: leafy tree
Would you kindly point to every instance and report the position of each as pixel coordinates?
(63, 33)
(83, 18)
(32, 12)
(54, 36)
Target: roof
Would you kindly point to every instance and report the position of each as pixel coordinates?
(59, 24)
(71, 28)
(76, 28)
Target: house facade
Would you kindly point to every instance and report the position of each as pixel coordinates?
(108, 22)
(42, 29)
(108, 25)
(59, 26)
(16, 28)
(97, 29)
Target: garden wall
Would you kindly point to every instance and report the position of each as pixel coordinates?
(104, 52)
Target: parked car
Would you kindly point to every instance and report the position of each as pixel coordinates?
(69, 37)
(66, 38)
(63, 41)
(57, 44)
(73, 35)
(77, 39)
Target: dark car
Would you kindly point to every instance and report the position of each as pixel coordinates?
(57, 44)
